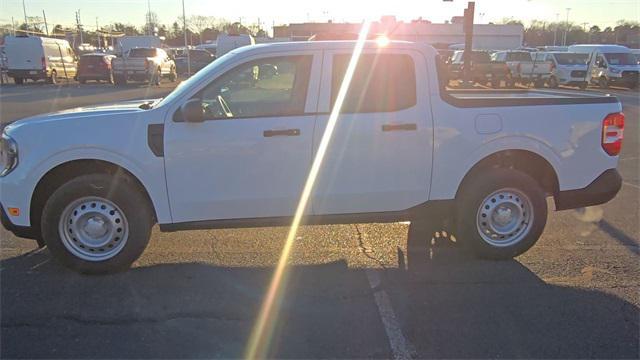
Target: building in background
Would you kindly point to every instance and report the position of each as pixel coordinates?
(485, 36)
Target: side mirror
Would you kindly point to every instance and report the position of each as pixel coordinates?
(192, 111)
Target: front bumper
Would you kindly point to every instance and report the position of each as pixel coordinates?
(602, 189)
(19, 231)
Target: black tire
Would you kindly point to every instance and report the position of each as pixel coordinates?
(82, 81)
(476, 193)
(495, 82)
(553, 82)
(173, 76)
(119, 80)
(538, 84)
(18, 80)
(121, 191)
(583, 86)
(603, 83)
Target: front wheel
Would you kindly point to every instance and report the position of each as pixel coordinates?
(501, 214)
(97, 223)
(553, 82)
(603, 83)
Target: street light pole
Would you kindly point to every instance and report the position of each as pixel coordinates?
(566, 29)
(186, 47)
(555, 29)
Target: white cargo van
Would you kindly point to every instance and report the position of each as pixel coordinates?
(610, 65)
(226, 43)
(39, 58)
(567, 68)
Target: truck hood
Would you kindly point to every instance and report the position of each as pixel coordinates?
(106, 110)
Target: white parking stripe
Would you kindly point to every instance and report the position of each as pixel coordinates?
(400, 346)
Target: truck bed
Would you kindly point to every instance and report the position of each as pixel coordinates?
(497, 98)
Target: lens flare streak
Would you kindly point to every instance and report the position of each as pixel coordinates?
(263, 329)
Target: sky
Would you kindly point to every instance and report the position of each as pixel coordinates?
(593, 12)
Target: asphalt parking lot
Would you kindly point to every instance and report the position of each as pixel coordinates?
(354, 291)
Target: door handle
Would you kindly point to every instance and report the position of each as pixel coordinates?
(286, 132)
(399, 127)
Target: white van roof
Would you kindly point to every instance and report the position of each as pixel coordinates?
(589, 48)
(42, 40)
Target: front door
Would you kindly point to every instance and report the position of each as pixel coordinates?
(379, 158)
(251, 156)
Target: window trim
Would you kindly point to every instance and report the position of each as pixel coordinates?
(177, 115)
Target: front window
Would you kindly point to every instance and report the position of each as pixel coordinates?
(621, 59)
(262, 88)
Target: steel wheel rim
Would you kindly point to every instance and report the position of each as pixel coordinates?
(93, 228)
(504, 217)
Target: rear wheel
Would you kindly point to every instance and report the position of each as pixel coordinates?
(173, 76)
(495, 82)
(582, 86)
(82, 81)
(97, 223)
(501, 214)
(538, 83)
(18, 80)
(119, 80)
(553, 82)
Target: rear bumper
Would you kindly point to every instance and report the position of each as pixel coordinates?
(19, 231)
(27, 74)
(602, 189)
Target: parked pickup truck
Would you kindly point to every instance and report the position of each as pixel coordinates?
(483, 69)
(143, 64)
(525, 67)
(233, 147)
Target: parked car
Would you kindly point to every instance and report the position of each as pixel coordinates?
(524, 67)
(143, 64)
(39, 58)
(611, 65)
(211, 155)
(483, 69)
(197, 58)
(567, 68)
(95, 67)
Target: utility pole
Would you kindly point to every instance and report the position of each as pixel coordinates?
(24, 10)
(468, 42)
(566, 29)
(186, 47)
(555, 29)
(79, 25)
(149, 25)
(46, 27)
(13, 26)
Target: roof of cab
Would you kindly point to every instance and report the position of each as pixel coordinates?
(604, 48)
(330, 45)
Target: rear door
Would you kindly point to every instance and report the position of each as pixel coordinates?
(24, 54)
(379, 158)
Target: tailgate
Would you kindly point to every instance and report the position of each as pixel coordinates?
(129, 64)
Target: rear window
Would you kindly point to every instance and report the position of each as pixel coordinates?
(91, 59)
(519, 56)
(381, 83)
(142, 53)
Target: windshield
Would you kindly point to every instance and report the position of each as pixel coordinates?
(621, 59)
(572, 59)
(142, 53)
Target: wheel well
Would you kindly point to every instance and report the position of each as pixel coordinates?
(524, 161)
(61, 174)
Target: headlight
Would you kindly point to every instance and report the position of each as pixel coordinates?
(615, 71)
(8, 154)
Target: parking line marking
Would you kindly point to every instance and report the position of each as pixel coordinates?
(630, 184)
(400, 346)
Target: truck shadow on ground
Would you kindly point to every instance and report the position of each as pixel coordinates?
(448, 304)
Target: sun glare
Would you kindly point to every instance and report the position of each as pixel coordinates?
(382, 40)
(262, 332)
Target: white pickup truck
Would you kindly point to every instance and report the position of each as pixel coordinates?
(525, 67)
(143, 64)
(234, 144)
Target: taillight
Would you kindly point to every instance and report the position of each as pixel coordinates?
(44, 63)
(612, 133)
